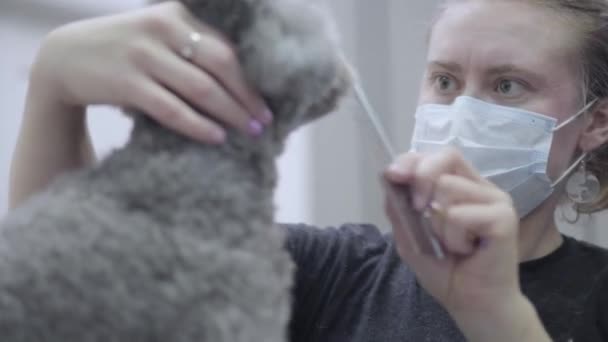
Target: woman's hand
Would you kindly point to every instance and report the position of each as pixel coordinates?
(129, 60)
(478, 281)
(133, 60)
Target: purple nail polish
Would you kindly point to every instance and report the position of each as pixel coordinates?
(255, 128)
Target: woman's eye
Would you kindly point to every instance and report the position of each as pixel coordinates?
(510, 88)
(445, 84)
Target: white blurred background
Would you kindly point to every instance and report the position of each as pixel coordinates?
(329, 174)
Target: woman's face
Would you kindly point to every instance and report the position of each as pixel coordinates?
(510, 53)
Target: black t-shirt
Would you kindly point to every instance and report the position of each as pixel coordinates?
(352, 286)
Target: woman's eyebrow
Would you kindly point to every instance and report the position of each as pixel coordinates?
(514, 69)
(491, 71)
(449, 66)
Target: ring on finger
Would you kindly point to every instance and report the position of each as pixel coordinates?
(189, 49)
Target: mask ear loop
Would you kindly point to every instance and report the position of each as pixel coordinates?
(569, 171)
(575, 116)
(565, 175)
(584, 156)
(574, 165)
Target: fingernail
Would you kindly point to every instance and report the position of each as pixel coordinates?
(255, 128)
(267, 116)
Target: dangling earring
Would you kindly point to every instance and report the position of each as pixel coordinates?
(583, 187)
(564, 214)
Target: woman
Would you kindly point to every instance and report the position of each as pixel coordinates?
(508, 274)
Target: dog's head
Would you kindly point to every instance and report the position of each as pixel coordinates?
(289, 53)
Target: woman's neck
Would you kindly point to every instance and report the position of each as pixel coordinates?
(538, 233)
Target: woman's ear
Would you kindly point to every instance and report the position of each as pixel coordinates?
(596, 131)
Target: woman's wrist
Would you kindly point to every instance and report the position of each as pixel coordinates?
(515, 319)
(45, 104)
(53, 139)
(46, 99)
(47, 79)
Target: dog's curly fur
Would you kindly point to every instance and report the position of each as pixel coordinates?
(167, 239)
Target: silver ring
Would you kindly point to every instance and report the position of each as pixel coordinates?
(190, 48)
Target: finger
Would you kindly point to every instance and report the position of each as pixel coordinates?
(450, 190)
(466, 226)
(200, 89)
(402, 169)
(172, 112)
(215, 54)
(218, 58)
(430, 167)
(456, 239)
(405, 243)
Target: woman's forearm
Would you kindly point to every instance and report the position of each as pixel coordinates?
(534, 330)
(73, 71)
(517, 320)
(53, 139)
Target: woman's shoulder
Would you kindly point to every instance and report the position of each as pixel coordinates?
(351, 245)
(594, 325)
(366, 233)
(353, 239)
(594, 256)
(591, 267)
(573, 255)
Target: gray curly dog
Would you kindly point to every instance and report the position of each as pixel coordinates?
(167, 239)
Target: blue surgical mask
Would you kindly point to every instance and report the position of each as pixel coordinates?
(508, 146)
